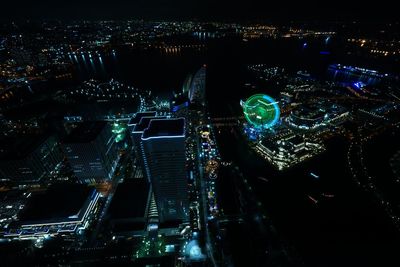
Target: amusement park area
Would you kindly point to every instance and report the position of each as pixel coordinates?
(294, 125)
(305, 145)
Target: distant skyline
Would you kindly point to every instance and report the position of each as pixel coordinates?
(200, 9)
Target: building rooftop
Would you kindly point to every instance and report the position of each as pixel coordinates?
(136, 119)
(296, 139)
(144, 123)
(85, 132)
(165, 127)
(61, 202)
(314, 112)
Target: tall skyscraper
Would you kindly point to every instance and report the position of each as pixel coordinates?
(197, 89)
(136, 136)
(92, 151)
(163, 146)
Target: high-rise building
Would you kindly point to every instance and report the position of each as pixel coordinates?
(131, 126)
(163, 147)
(92, 151)
(27, 161)
(136, 136)
(197, 89)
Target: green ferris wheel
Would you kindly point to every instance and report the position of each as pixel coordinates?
(261, 111)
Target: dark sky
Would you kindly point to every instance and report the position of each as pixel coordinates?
(199, 9)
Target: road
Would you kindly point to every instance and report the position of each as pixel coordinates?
(117, 177)
(204, 201)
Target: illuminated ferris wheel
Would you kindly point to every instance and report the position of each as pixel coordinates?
(261, 111)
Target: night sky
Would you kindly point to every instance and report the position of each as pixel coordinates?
(199, 9)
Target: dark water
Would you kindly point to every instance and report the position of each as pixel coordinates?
(160, 71)
(146, 69)
(346, 230)
(378, 153)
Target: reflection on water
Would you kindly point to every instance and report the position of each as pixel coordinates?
(88, 64)
(161, 70)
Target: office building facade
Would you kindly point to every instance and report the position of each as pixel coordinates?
(163, 148)
(92, 151)
(136, 136)
(27, 163)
